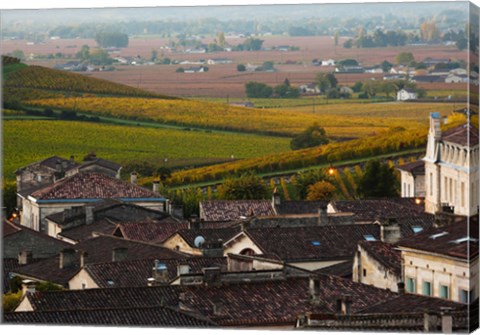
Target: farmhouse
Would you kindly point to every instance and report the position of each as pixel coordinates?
(406, 94)
(328, 62)
(456, 78)
(311, 88)
(196, 69)
(213, 61)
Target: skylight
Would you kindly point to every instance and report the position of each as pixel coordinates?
(417, 229)
(315, 243)
(464, 239)
(435, 236)
(369, 238)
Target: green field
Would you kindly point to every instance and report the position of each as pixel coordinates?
(28, 141)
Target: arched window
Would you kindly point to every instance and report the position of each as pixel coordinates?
(247, 252)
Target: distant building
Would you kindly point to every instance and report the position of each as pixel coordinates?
(406, 94)
(196, 69)
(311, 88)
(350, 69)
(213, 61)
(456, 78)
(328, 62)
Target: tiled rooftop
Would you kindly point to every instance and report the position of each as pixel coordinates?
(451, 240)
(84, 232)
(9, 228)
(229, 210)
(92, 185)
(99, 249)
(299, 207)
(415, 168)
(312, 243)
(135, 273)
(51, 163)
(144, 316)
(465, 135)
(154, 231)
(343, 269)
(371, 210)
(210, 235)
(385, 254)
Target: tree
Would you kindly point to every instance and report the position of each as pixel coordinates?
(335, 38)
(310, 137)
(267, 66)
(111, 39)
(258, 90)
(386, 66)
(154, 55)
(322, 190)
(286, 91)
(247, 187)
(9, 191)
(325, 81)
(252, 44)
(357, 87)
(304, 179)
(241, 68)
(221, 39)
(84, 52)
(100, 57)
(379, 180)
(429, 31)
(405, 58)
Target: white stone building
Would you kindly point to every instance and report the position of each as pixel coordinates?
(451, 169)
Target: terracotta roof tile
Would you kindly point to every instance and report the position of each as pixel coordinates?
(84, 232)
(154, 231)
(92, 185)
(450, 240)
(312, 243)
(135, 273)
(385, 254)
(299, 207)
(229, 210)
(145, 316)
(465, 135)
(416, 168)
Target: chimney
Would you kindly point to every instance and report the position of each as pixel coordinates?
(183, 269)
(435, 130)
(176, 211)
(276, 199)
(83, 258)
(160, 272)
(447, 320)
(390, 231)
(72, 159)
(25, 257)
(211, 275)
(156, 186)
(314, 290)
(213, 249)
(28, 286)
(67, 258)
(322, 215)
(89, 218)
(119, 254)
(401, 288)
(133, 177)
(344, 304)
(193, 222)
(58, 167)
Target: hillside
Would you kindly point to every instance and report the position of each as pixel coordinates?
(20, 79)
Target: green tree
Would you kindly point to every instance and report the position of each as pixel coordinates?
(286, 91)
(379, 180)
(335, 38)
(305, 179)
(322, 190)
(325, 81)
(247, 187)
(84, 52)
(221, 39)
(348, 44)
(154, 55)
(258, 90)
(386, 66)
(9, 193)
(405, 58)
(111, 39)
(252, 44)
(241, 68)
(310, 137)
(100, 57)
(357, 87)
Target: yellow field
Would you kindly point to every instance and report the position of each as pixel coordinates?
(341, 120)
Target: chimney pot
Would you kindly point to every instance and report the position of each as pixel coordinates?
(25, 257)
(133, 177)
(83, 259)
(156, 186)
(67, 258)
